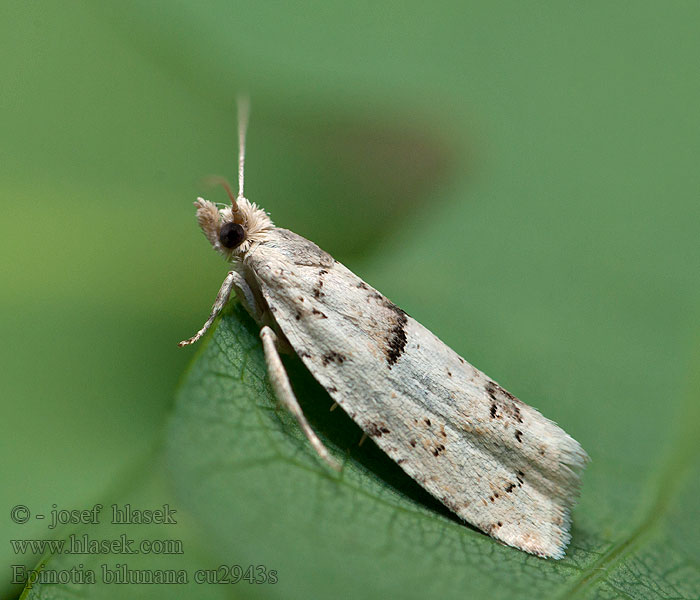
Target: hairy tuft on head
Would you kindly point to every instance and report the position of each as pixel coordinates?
(249, 215)
(209, 221)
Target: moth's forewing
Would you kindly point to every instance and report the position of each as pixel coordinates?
(490, 458)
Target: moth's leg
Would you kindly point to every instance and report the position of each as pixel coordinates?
(283, 390)
(233, 279)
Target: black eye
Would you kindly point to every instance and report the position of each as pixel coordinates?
(231, 235)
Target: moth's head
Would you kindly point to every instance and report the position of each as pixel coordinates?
(234, 228)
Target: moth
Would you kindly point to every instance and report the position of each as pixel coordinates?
(493, 460)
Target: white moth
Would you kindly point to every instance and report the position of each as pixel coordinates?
(491, 459)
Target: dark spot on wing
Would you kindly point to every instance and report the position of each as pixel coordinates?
(427, 422)
(491, 389)
(332, 357)
(331, 389)
(377, 429)
(438, 449)
(396, 338)
(373, 430)
(319, 284)
(493, 411)
(519, 436)
(413, 443)
(510, 487)
(516, 410)
(505, 400)
(318, 312)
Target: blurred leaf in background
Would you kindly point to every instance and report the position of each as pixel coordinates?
(522, 179)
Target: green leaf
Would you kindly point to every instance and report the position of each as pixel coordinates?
(521, 180)
(242, 466)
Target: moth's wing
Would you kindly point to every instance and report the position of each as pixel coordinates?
(490, 458)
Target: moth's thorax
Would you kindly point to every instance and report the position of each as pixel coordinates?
(255, 222)
(290, 248)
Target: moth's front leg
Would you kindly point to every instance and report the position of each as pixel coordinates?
(283, 390)
(233, 279)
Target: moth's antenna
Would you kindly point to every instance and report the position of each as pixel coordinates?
(243, 112)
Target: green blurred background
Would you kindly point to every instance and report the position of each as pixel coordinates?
(520, 177)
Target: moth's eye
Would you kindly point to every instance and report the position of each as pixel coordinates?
(231, 235)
